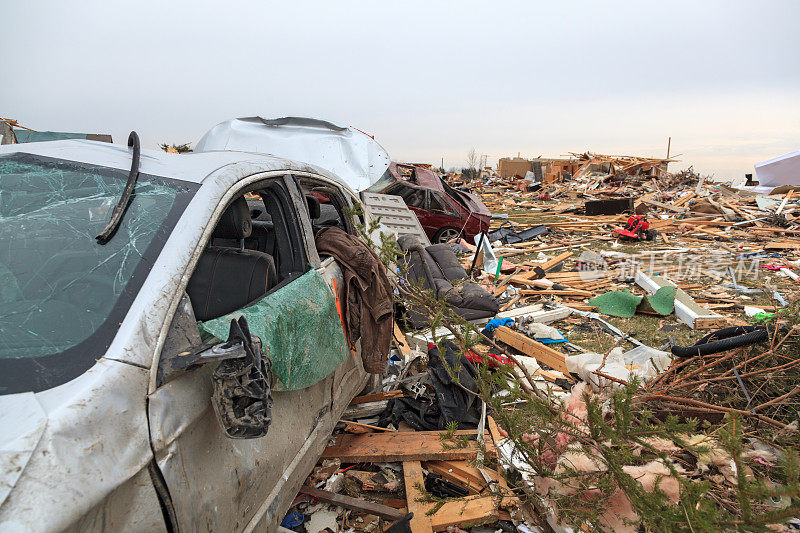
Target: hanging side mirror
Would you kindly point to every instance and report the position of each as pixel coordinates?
(242, 382)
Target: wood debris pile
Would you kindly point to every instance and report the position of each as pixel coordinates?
(581, 316)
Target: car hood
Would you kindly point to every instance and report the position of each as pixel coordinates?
(350, 154)
(23, 422)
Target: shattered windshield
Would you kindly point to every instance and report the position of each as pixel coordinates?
(63, 295)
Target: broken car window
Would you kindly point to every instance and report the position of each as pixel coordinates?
(440, 205)
(63, 295)
(413, 197)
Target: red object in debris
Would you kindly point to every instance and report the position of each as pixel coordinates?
(772, 267)
(637, 229)
(495, 361)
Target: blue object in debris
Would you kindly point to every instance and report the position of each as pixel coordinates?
(553, 341)
(293, 520)
(496, 323)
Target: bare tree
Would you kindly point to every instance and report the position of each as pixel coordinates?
(473, 162)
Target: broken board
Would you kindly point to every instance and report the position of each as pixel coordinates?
(398, 446)
(530, 347)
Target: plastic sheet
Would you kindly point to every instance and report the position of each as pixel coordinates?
(299, 329)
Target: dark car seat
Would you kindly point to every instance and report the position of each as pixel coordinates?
(228, 277)
(437, 267)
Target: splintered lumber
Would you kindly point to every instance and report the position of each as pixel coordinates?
(663, 206)
(414, 481)
(480, 508)
(557, 260)
(354, 504)
(542, 353)
(467, 475)
(397, 446)
(378, 396)
(538, 283)
(352, 426)
(400, 341)
(783, 203)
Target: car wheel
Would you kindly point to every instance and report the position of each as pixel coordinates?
(445, 234)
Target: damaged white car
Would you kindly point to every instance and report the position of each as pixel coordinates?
(123, 276)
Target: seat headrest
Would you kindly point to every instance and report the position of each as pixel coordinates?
(235, 222)
(314, 209)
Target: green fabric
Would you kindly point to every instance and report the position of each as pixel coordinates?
(660, 303)
(299, 328)
(624, 304)
(617, 303)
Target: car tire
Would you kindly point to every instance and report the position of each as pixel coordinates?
(445, 234)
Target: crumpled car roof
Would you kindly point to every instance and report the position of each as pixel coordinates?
(350, 154)
(193, 166)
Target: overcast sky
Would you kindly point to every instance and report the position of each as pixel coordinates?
(429, 80)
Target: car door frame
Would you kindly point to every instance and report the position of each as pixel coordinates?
(322, 427)
(437, 220)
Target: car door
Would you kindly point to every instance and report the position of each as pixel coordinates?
(216, 483)
(442, 215)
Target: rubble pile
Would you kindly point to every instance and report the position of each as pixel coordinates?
(642, 369)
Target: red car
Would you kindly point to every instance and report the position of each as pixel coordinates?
(443, 212)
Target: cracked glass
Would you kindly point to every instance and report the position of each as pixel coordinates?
(63, 295)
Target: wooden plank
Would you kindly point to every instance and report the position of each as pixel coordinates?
(469, 510)
(563, 292)
(560, 258)
(354, 504)
(494, 429)
(396, 446)
(785, 199)
(421, 522)
(353, 425)
(400, 341)
(543, 283)
(663, 206)
(537, 350)
(378, 396)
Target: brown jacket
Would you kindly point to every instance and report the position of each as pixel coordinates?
(367, 295)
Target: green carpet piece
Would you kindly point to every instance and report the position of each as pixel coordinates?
(617, 303)
(624, 304)
(660, 303)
